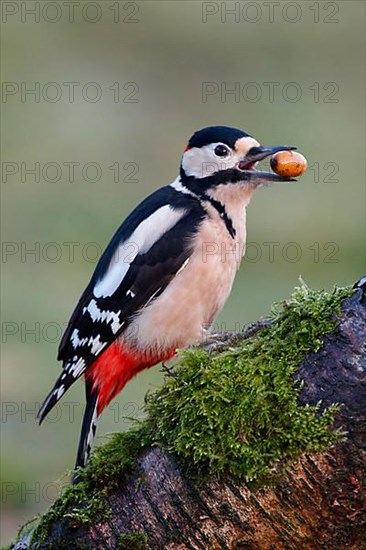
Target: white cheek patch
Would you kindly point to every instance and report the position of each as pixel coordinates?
(201, 162)
(142, 239)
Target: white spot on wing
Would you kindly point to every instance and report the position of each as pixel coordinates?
(142, 239)
(105, 316)
(95, 343)
(76, 368)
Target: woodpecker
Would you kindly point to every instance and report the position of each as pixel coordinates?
(165, 275)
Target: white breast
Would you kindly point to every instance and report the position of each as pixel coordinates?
(181, 315)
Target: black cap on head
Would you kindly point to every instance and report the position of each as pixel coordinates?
(216, 134)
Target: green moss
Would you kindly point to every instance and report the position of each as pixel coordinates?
(110, 463)
(133, 541)
(237, 411)
(81, 504)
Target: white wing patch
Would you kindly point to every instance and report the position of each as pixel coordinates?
(113, 278)
(106, 316)
(142, 239)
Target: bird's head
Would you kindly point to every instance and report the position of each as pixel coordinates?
(219, 155)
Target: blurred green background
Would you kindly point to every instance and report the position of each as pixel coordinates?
(151, 64)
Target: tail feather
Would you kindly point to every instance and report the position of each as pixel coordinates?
(88, 428)
(68, 376)
(52, 398)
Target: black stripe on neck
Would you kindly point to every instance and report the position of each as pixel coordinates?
(222, 213)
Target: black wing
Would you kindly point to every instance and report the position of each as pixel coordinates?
(98, 321)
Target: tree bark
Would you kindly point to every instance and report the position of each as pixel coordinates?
(320, 502)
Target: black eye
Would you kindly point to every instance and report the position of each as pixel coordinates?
(221, 151)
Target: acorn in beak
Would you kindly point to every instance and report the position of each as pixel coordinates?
(256, 154)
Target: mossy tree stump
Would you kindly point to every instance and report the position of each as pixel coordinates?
(241, 448)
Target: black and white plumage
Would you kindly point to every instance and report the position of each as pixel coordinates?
(126, 278)
(166, 273)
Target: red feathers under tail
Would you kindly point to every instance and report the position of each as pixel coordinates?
(113, 369)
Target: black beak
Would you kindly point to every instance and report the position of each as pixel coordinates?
(256, 154)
